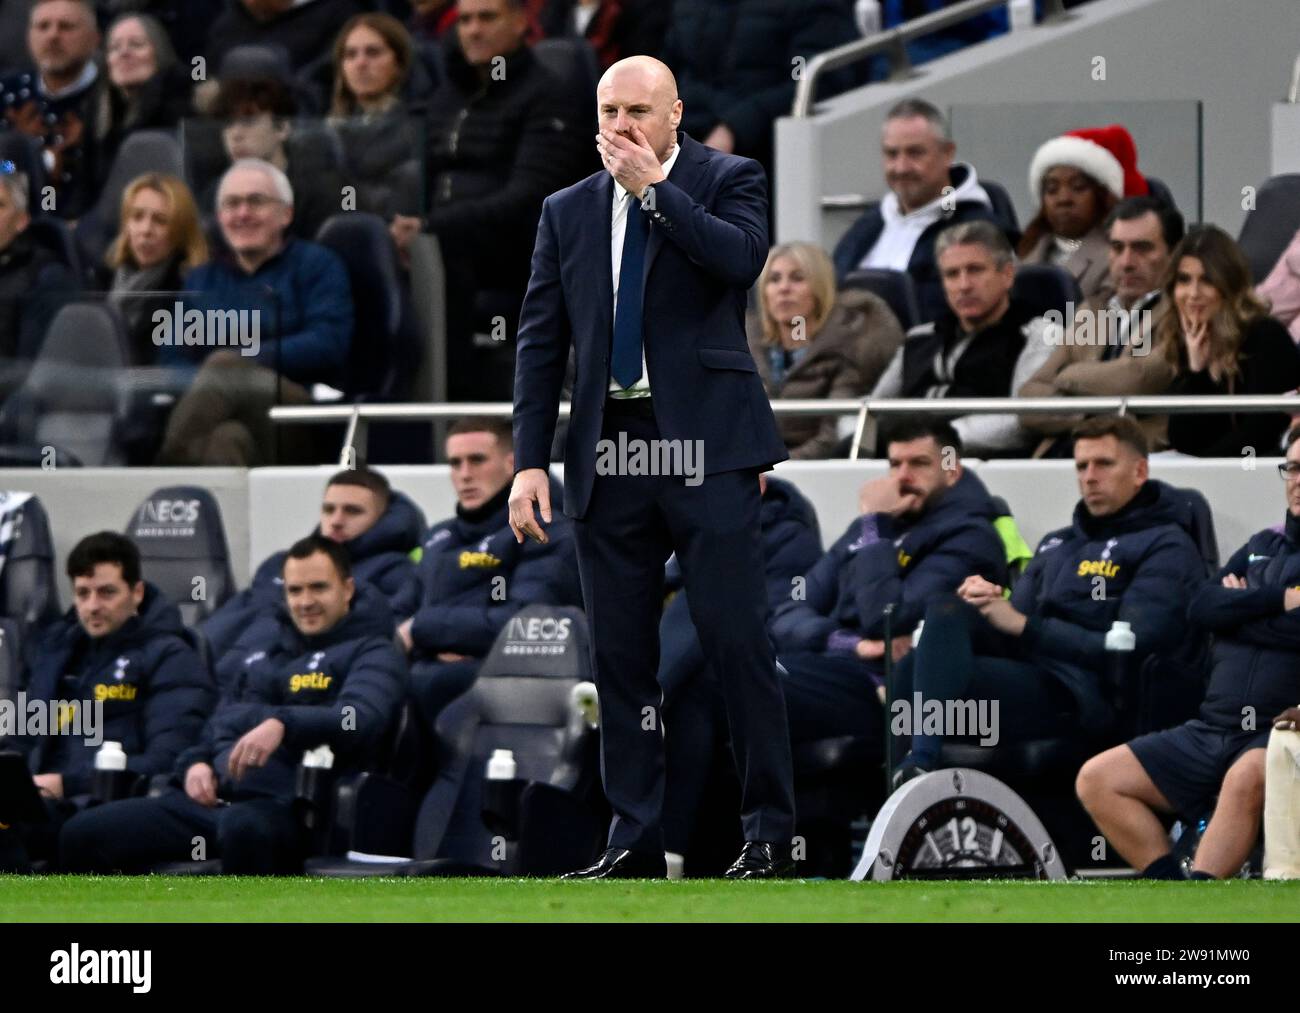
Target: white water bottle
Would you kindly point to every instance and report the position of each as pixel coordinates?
(584, 700)
(110, 780)
(320, 758)
(110, 757)
(501, 765)
(1120, 637)
(1021, 14)
(867, 15)
(1120, 643)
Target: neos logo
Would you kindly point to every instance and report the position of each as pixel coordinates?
(170, 511)
(540, 628)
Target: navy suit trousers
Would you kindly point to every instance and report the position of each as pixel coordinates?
(632, 524)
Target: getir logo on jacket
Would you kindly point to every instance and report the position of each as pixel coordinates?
(118, 691)
(478, 560)
(1097, 568)
(309, 680)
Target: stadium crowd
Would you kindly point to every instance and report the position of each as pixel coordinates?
(160, 153)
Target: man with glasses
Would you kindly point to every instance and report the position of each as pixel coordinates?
(1251, 607)
(264, 321)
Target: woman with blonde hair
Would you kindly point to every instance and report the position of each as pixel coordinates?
(1221, 340)
(808, 341)
(373, 55)
(159, 240)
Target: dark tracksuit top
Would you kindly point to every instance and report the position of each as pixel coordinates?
(380, 556)
(1138, 565)
(458, 604)
(882, 559)
(155, 690)
(1256, 657)
(340, 688)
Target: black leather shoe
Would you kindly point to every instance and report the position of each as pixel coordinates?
(619, 863)
(760, 861)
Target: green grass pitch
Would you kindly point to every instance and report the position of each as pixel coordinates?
(231, 899)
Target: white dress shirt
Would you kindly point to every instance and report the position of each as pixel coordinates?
(617, 230)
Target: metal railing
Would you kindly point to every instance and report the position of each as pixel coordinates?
(893, 42)
(358, 417)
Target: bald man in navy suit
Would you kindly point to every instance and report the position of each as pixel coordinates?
(643, 270)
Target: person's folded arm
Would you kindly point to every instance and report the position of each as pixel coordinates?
(803, 622)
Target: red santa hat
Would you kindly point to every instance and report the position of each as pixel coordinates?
(1107, 154)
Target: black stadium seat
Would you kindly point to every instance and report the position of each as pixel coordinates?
(521, 702)
(142, 151)
(54, 235)
(382, 359)
(894, 287)
(1003, 207)
(1272, 224)
(574, 62)
(1046, 287)
(71, 400)
(183, 549)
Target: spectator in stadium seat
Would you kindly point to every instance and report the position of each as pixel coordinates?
(985, 344)
(304, 28)
(257, 115)
(923, 529)
(34, 284)
(325, 673)
(1039, 656)
(60, 102)
(500, 137)
(733, 60)
(1281, 289)
(160, 240)
(810, 342)
(380, 528)
(898, 233)
(148, 89)
(120, 648)
(473, 575)
(1250, 608)
(615, 28)
(693, 706)
(1100, 354)
(372, 59)
(1076, 180)
(297, 294)
(1221, 340)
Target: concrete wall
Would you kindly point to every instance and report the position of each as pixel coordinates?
(268, 508)
(1233, 57)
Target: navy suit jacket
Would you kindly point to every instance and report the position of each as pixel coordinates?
(707, 244)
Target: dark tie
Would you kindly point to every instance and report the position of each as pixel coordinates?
(626, 360)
